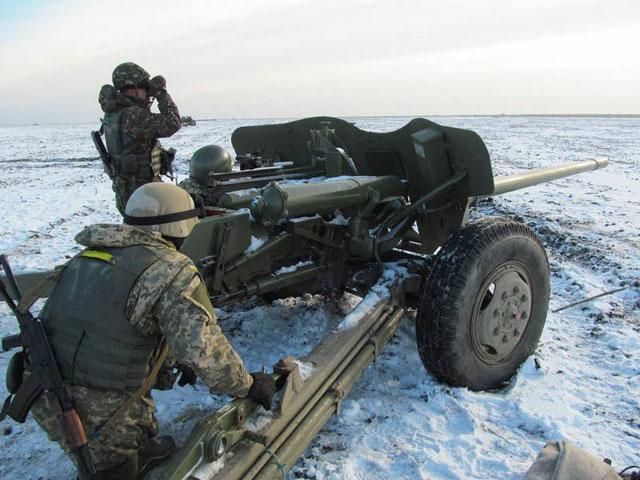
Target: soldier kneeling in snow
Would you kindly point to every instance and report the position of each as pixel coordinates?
(117, 309)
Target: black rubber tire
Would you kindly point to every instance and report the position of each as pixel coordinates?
(445, 318)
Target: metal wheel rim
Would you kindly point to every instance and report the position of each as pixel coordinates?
(501, 313)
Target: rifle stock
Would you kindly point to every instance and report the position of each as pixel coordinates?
(10, 342)
(109, 168)
(46, 378)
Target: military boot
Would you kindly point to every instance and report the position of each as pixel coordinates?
(155, 451)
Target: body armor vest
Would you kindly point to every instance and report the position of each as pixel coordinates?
(85, 319)
(130, 157)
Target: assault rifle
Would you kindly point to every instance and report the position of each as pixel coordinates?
(109, 168)
(45, 378)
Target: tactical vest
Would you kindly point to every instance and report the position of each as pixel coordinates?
(130, 157)
(85, 319)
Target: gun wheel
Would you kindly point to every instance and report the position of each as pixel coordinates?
(484, 306)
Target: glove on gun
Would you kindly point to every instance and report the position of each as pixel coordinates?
(262, 389)
(187, 376)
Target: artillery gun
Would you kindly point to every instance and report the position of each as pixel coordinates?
(332, 209)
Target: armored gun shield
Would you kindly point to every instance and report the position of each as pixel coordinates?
(423, 153)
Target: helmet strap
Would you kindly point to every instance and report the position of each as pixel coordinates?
(167, 218)
(177, 241)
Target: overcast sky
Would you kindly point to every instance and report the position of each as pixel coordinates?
(261, 58)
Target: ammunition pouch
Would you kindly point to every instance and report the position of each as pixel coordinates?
(134, 165)
(15, 372)
(166, 161)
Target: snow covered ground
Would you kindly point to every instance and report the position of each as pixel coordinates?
(398, 422)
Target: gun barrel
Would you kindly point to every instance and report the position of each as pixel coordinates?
(280, 201)
(509, 183)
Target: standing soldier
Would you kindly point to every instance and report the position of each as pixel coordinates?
(116, 310)
(132, 131)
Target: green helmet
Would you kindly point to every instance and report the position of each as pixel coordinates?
(210, 158)
(166, 203)
(129, 74)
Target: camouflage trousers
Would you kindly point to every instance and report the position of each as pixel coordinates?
(115, 450)
(124, 188)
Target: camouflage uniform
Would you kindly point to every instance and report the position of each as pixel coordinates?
(194, 188)
(161, 303)
(139, 130)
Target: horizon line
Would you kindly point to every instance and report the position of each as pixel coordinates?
(484, 115)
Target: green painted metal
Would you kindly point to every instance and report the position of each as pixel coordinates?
(395, 171)
(239, 198)
(423, 173)
(500, 316)
(207, 236)
(337, 363)
(281, 202)
(402, 153)
(534, 177)
(329, 404)
(210, 439)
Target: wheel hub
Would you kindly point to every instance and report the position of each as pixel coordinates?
(501, 312)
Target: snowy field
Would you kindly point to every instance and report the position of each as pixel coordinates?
(398, 422)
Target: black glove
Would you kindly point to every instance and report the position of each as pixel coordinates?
(187, 376)
(157, 85)
(262, 389)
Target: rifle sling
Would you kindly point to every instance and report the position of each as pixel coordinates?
(38, 290)
(146, 386)
(32, 296)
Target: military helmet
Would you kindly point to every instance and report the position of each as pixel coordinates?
(129, 74)
(210, 158)
(162, 207)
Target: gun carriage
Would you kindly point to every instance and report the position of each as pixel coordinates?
(321, 206)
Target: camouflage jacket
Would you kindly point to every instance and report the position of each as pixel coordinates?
(192, 187)
(139, 123)
(161, 303)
